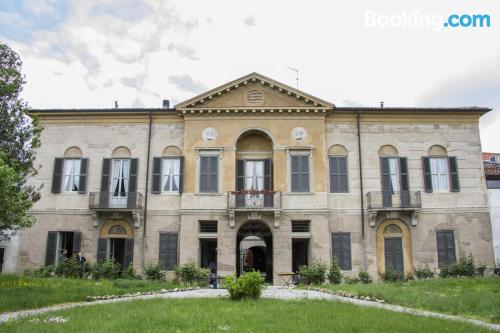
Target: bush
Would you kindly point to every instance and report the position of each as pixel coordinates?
(190, 273)
(248, 285)
(106, 269)
(334, 274)
(351, 280)
(68, 267)
(424, 273)
(464, 267)
(315, 273)
(391, 275)
(364, 277)
(154, 272)
(130, 273)
(45, 271)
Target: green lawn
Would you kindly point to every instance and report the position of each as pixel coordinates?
(224, 315)
(473, 297)
(28, 292)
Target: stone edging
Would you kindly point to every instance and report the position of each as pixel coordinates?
(347, 295)
(143, 293)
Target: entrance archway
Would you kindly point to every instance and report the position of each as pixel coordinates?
(394, 246)
(116, 241)
(254, 249)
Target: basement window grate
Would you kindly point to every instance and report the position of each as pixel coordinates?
(300, 226)
(208, 226)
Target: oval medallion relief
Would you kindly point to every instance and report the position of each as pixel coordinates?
(209, 134)
(299, 133)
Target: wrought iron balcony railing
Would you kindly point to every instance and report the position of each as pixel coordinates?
(248, 199)
(394, 200)
(112, 200)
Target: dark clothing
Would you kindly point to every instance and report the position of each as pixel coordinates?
(81, 259)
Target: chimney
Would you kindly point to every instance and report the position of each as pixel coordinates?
(116, 104)
(166, 104)
(382, 104)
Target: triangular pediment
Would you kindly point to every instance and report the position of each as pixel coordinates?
(254, 91)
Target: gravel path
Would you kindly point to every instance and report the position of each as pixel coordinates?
(269, 292)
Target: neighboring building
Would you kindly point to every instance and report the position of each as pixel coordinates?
(256, 174)
(492, 173)
(9, 251)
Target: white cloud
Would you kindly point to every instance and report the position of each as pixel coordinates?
(249, 20)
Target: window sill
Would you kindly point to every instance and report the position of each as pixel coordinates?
(300, 193)
(208, 194)
(169, 194)
(71, 193)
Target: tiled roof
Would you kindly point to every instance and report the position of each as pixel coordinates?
(491, 169)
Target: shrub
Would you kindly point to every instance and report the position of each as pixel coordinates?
(424, 273)
(45, 271)
(190, 273)
(248, 285)
(351, 280)
(130, 273)
(314, 273)
(391, 275)
(364, 277)
(66, 267)
(464, 267)
(106, 269)
(154, 272)
(334, 274)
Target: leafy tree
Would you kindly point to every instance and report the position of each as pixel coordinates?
(19, 139)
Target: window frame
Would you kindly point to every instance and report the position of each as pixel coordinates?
(331, 190)
(299, 153)
(447, 173)
(447, 263)
(76, 176)
(209, 153)
(163, 158)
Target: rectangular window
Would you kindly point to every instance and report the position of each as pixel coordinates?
(338, 174)
(493, 184)
(300, 172)
(209, 174)
(168, 250)
(120, 177)
(171, 174)
(300, 226)
(446, 247)
(208, 226)
(71, 175)
(439, 173)
(341, 246)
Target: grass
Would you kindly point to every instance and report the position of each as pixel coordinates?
(473, 297)
(28, 292)
(224, 315)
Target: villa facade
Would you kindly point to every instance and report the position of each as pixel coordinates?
(255, 174)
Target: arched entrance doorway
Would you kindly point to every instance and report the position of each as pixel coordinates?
(254, 249)
(394, 247)
(116, 241)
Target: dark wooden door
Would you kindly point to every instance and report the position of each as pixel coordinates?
(394, 253)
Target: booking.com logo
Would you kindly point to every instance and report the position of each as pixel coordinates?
(416, 19)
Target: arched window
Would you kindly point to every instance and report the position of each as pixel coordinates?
(117, 230)
(394, 172)
(440, 171)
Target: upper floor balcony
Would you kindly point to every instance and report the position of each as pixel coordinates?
(403, 200)
(254, 200)
(123, 201)
(388, 201)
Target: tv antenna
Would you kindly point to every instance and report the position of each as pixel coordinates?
(296, 70)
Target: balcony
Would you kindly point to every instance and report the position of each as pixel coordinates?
(255, 203)
(254, 200)
(409, 201)
(130, 201)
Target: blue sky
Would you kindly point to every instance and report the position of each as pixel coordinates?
(93, 52)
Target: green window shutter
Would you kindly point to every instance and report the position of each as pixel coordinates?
(82, 186)
(105, 175)
(455, 185)
(57, 175)
(304, 173)
(156, 179)
(102, 249)
(341, 246)
(295, 171)
(446, 247)
(132, 183)
(426, 167)
(167, 258)
(403, 167)
(129, 253)
(181, 175)
(77, 242)
(338, 174)
(51, 248)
